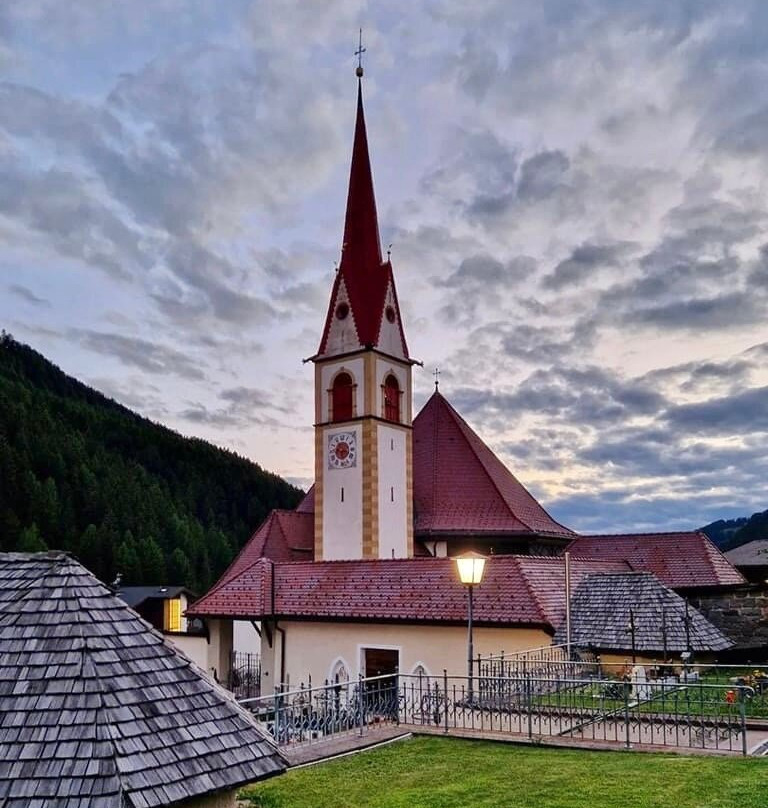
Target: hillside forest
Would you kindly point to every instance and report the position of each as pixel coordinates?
(81, 473)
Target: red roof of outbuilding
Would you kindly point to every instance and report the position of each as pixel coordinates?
(679, 560)
(516, 590)
(459, 485)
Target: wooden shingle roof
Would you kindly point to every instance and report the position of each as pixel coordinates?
(600, 616)
(98, 709)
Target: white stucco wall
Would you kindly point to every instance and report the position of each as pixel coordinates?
(393, 506)
(245, 637)
(196, 648)
(342, 520)
(389, 334)
(311, 648)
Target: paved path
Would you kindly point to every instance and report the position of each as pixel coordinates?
(338, 745)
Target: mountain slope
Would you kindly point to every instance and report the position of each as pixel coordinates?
(81, 473)
(730, 533)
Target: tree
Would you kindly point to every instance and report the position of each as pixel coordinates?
(180, 569)
(152, 562)
(30, 541)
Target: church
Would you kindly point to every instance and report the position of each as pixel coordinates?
(360, 578)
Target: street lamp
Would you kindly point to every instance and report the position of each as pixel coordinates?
(471, 566)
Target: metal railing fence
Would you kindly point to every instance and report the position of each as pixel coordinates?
(614, 711)
(244, 679)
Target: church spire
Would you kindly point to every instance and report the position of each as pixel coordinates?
(363, 311)
(361, 249)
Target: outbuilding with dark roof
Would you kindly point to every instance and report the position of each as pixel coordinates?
(99, 709)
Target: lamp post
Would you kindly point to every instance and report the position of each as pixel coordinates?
(471, 566)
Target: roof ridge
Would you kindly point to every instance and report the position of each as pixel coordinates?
(712, 548)
(223, 579)
(641, 533)
(470, 438)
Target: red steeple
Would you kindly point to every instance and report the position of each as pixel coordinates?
(363, 311)
(361, 250)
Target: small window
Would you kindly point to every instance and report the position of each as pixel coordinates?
(391, 399)
(340, 673)
(173, 614)
(342, 397)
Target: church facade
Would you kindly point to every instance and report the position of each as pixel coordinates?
(359, 578)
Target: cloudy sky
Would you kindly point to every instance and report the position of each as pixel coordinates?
(576, 194)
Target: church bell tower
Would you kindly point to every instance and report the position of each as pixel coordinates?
(363, 392)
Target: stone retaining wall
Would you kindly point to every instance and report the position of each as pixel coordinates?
(740, 613)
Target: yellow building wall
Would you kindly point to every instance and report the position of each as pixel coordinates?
(314, 648)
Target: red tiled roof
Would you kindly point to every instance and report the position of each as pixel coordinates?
(516, 590)
(365, 276)
(459, 485)
(282, 536)
(307, 505)
(546, 579)
(679, 560)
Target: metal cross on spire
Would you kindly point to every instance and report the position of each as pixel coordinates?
(359, 53)
(436, 374)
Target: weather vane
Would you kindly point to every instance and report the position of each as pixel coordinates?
(436, 374)
(359, 53)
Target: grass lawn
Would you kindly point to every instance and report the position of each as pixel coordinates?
(454, 773)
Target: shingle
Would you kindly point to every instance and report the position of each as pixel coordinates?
(95, 702)
(600, 616)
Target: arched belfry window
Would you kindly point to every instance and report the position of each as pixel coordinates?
(391, 398)
(342, 397)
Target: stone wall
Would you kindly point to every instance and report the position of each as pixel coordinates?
(740, 613)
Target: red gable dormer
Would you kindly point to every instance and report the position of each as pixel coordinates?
(363, 310)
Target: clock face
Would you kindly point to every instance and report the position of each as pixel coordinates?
(342, 450)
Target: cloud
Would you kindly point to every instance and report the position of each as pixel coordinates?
(542, 174)
(727, 311)
(244, 407)
(27, 295)
(148, 356)
(582, 264)
(745, 412)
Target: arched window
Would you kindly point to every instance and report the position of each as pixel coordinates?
(339, 673)
(341, 397)
(391, 398)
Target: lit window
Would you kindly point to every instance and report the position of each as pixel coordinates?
(173, 614)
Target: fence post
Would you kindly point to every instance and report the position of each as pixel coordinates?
(625, 687)
(362, 701)
(445, 692)
(529, 706)
(743, 717)
(277, 713)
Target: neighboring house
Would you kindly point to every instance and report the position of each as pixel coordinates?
(751, 560)
(357, 579)
(163, 607)
(100, 710)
